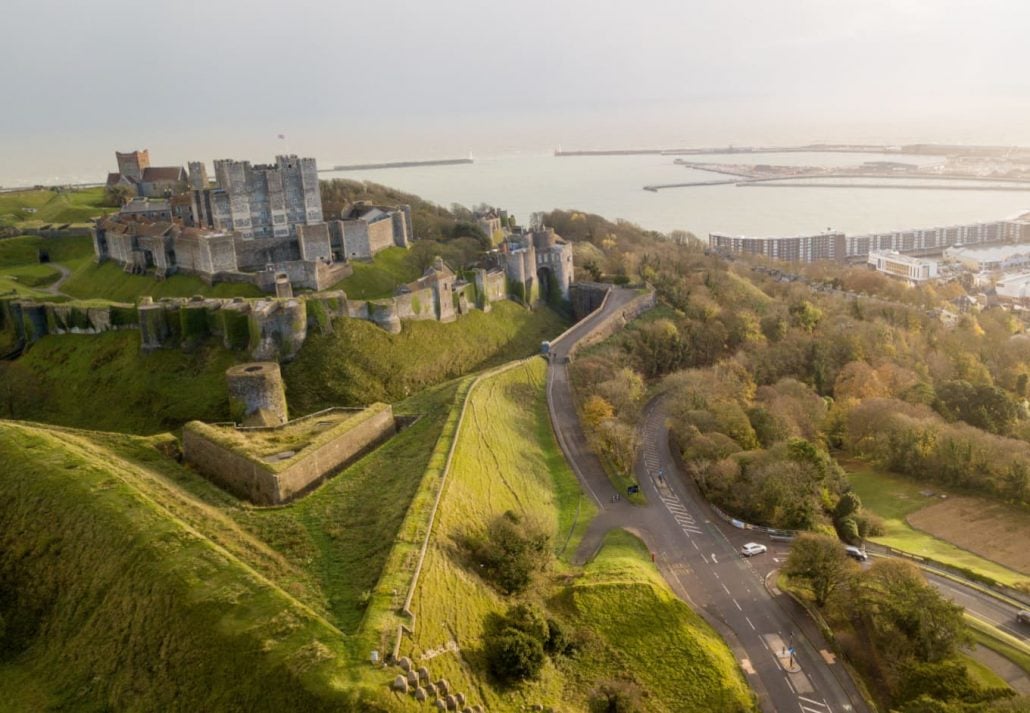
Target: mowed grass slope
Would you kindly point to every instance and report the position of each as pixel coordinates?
(894, 498)
(505, 461)
(651, 633)
(115, 601)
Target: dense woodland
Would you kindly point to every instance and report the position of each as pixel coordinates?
(766, 375)
(769, 378)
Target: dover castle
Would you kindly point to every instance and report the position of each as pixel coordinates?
(263, 224)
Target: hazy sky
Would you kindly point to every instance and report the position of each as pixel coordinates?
(387, 79)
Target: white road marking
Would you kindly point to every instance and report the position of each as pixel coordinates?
(739, 608)
(713, 558)
(814, 703)
(704, 558)
(748, 620)
(695, 546)
(726, 589)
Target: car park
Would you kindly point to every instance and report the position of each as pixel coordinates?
(856, 553)
(752, 548)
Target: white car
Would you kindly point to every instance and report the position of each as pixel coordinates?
(752, 548)
(856, 553)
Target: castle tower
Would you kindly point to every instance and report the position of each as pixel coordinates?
(257, 396)
(197, 175)
(131, 164)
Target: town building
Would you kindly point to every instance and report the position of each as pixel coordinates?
(1014, 288)
(895, 264)
(799, 248)
(839, 247)
(997, 258)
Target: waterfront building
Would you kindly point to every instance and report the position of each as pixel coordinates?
(990, 259)
(912, 269)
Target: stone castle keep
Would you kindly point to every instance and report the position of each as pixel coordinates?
(263, 224)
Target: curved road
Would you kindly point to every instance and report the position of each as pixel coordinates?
(698, 559)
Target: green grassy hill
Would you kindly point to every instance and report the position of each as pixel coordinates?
(118, 591)
(37, 207)
(632, 625)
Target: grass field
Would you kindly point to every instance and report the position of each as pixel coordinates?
(506, 460)
(51, 206)
(117, 599)
(388, 270)
(894, 498)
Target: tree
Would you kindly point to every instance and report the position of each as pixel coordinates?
(805, 314)
(119, 194)
(596, 411)
(820, 561)
(906, 616)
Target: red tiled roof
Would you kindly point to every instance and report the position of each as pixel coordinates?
(164, 173)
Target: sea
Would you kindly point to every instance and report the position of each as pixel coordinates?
(613, 186)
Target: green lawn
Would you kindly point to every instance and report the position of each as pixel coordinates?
(388, 270)
(893, 498)
(52, 206)
(110, 282)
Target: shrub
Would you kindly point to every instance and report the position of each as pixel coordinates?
(512, 550)
(513, 655)
(617, 696)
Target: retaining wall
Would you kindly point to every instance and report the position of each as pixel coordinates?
(258, 482)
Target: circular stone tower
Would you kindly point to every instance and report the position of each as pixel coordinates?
(257, 396)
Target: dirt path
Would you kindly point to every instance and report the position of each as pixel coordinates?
(55, 288)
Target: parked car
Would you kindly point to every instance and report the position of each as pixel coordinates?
(1023, 616)
(856, 553)
(752, 548)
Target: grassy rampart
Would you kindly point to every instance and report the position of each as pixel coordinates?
(505, 461)
(116, 599)
(360, 362)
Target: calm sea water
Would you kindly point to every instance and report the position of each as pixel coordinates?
(612, 186)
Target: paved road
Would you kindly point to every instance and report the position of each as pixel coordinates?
(701, 561)
(983, 606)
